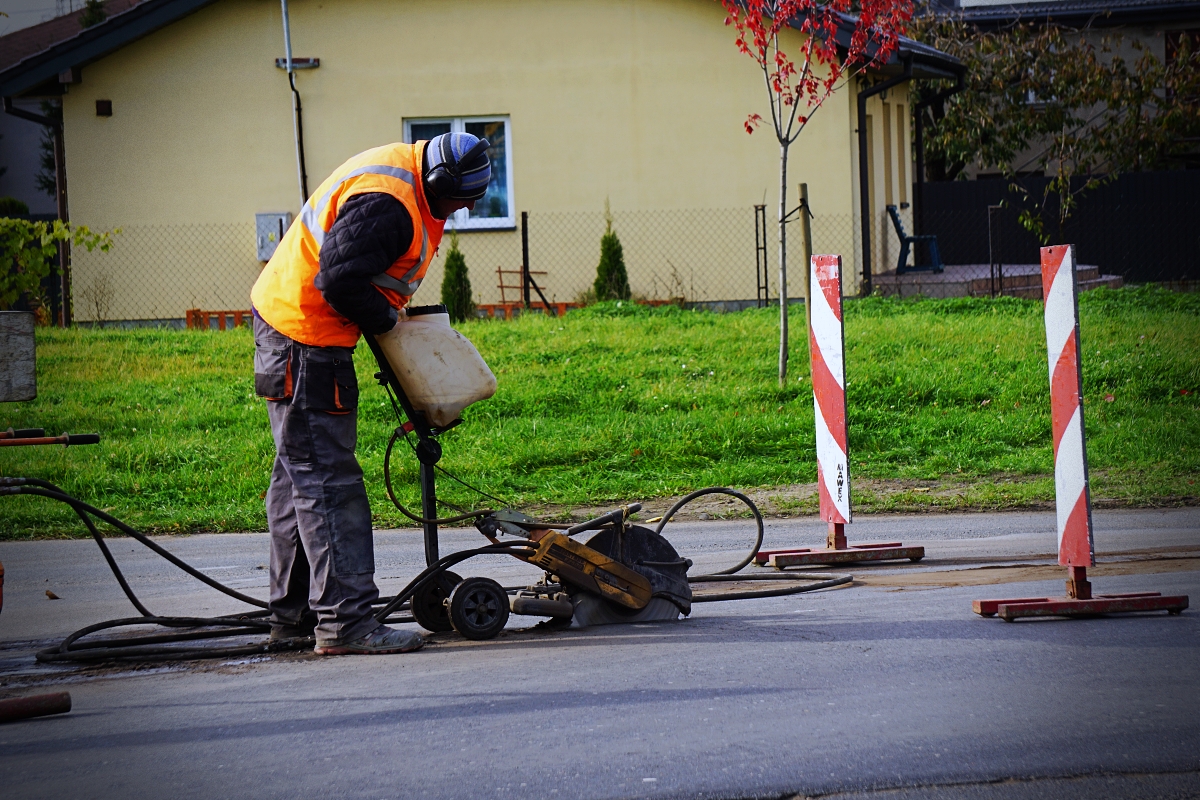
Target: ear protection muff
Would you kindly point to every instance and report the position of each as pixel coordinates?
(445, 179)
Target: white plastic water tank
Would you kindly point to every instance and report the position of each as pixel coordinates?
(441, 371)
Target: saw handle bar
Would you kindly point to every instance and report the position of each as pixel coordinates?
(23, 433)
(614, 517)
(32, 436)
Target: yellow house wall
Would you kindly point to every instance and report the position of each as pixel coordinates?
(637, 101)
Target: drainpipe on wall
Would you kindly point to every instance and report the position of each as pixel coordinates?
(864, 179)
(60, 197)
(919, 130)
(297, 120)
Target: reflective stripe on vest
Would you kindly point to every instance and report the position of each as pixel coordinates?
(311, 216)
(405, 285)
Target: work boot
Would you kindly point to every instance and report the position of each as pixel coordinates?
(381, 641)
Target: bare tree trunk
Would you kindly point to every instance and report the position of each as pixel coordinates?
(783, 286)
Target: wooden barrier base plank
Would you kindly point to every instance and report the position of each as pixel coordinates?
(763, 556)
(1010, 610)
(851, 555)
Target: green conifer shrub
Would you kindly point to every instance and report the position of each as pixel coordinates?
(612, 282)
(456, 284)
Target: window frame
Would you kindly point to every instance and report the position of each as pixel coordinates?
(461, 220)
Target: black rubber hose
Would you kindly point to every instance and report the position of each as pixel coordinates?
(811, 582)
(733, 493)
(151, 647)
(806, 582)
(145, 648)
(387, 484)
(77, 504)
(136, 649)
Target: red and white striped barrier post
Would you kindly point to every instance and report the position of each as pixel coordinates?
(1072, 496)
(826, 349)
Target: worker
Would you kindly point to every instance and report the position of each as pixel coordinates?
(348, 264)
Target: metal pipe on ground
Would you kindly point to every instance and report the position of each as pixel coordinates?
(38, 705)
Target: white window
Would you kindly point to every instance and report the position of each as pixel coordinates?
(495, 209)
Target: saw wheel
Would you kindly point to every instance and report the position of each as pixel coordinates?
(479, 608)
(429, 602)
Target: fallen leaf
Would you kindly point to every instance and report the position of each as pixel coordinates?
(52, 595)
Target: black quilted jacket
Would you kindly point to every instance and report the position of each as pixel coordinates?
(372, 231)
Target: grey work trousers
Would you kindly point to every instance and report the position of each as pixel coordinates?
(322, 548)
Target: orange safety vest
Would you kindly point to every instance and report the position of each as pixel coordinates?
(284, 294)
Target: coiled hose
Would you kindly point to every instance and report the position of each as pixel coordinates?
(805, 581)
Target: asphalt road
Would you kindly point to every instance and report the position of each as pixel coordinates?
(865, 691)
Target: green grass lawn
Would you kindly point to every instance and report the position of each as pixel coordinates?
(632, 403)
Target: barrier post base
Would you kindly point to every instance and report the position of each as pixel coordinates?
(1011, 610)
(843, 554)
(836, 540)
(1078, 586)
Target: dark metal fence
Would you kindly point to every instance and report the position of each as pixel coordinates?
(1140, 226)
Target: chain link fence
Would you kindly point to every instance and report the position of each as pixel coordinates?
(717, 257)
(155, 273)
(686, 255)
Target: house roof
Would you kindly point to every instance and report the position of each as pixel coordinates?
(1085, 13)
(63, 45)
(19, 45)
(927, 62)
(43, 56)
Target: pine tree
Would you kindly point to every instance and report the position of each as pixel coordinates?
(456, 284)
(612, 282)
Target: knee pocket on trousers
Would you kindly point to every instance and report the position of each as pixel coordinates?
(349, 516)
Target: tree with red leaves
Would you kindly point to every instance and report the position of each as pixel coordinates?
(836, 48)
